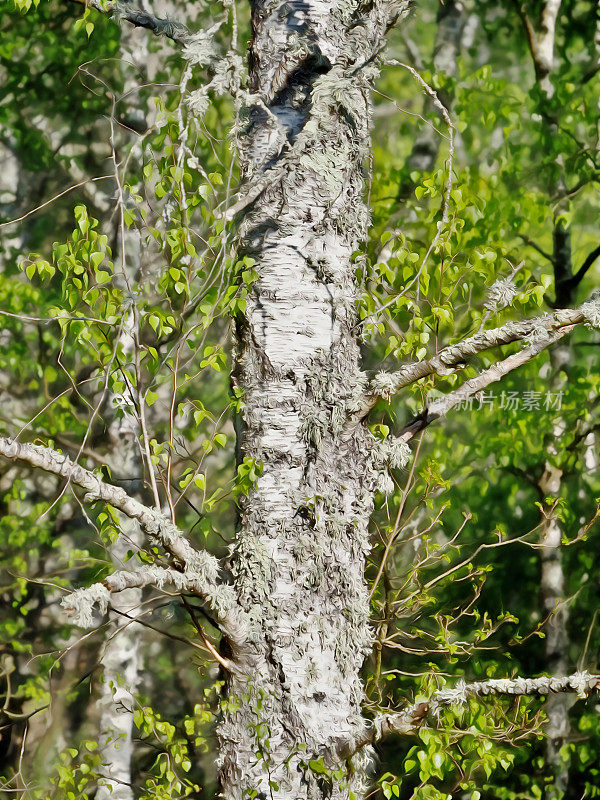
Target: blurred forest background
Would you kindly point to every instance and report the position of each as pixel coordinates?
(83, 99)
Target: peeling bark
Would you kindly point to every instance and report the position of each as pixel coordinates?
(298, 561)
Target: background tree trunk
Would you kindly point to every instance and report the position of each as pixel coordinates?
(120, 657)
(452, 20)
(541, 38)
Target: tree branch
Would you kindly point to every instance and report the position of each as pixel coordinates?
(154, 523)
(147, 575)
(442, 405)
(589, 261)
(122, 9)
(548, 256)
(198, 568)
(385, 385)
(581, 683)
(80, 604)
(410, 719)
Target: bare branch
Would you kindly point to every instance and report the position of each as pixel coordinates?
(411, 718)
(80, 604)
(548, 256)
(580, 683)
(149, 575)
(122, 9)
(153, 522)
(589, 261)
(442, 405)
(199, 569)
(453, 357)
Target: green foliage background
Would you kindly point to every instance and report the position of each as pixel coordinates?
(444, 606)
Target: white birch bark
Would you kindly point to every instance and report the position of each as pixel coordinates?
(121, 656)
(298, 561)
(556, 643)
(121, 666)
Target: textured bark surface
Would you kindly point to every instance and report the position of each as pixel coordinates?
(120, 658)
(556, 643)
(552, 592)
(295, 619)
(298, 562)
(121, 665)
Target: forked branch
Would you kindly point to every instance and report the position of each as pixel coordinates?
(442, 405)
(540, 329)
(411, 718)
(198, 570)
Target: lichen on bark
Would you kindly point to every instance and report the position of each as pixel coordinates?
(298, 561)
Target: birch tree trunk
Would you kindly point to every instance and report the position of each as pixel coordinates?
(298, 561)
(121, 654)
(556, 642)
(121, 666)
(121, 657)
(552, 579)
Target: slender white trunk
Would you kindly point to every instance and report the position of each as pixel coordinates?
(552, 580)
(121, 657)
(121, 666)
(556, 643)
